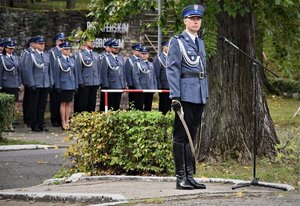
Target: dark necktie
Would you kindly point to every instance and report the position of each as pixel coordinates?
(11, 57)
(67, 59)
(197, 43)
(42, 57)
(117, 59)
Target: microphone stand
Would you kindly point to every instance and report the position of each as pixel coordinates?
(255, 63)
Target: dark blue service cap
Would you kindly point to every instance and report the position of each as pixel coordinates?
(65, 45)
(38, 39)
(136, 47)
(165, 43)
(59, 36)
(107, 42)
(193, 10)
(10, 44)
(144, 50)
(113, 44)
(7, 41)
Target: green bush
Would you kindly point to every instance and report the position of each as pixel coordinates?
(285, 85)
(121, 142)
(6, 111)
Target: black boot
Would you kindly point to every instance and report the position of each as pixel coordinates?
(178, 152)
(191, 168)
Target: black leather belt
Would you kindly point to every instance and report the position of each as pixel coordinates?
(200, 75)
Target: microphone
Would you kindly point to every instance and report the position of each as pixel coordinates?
(228, 42)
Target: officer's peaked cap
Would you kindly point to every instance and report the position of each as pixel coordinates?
(136, 47)
(144, 50)
(38, 39)
(65, 45)
(113, 44)
(59, 36)
(193, 10)
(107, 42)
(4, 40)
(9, 43)
(165, 43)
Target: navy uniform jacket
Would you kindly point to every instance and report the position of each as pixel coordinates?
(54, 54)
(143, 75)
(194, 90)
(37, 70)
(159, 64)
(23, 56)
(65, 76)
(128, 69)
(9, 71)
(88, 68)
(112, 72)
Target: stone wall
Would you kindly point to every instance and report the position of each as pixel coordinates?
(21, 24)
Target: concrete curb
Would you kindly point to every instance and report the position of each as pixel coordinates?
(64, 197)
(285, 187)
(29, 147)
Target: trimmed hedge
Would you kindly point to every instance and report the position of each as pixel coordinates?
(122, 142)
(285, 85)
(7, 106)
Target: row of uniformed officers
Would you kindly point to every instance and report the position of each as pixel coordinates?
(77, 76)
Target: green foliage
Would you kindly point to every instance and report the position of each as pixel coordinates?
(133, 142)
(285, 85)
(7, 106)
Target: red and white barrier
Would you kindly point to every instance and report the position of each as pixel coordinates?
(105, 91)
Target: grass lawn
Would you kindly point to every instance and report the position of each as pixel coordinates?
(286, 168)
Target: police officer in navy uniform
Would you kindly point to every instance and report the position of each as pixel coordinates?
(104, 53)
(26, 97)
(186, 72)
(144, 78)
(88, 68)
(55, 52)
(66, 81)
(129, 64)
(10, 79)
(39, 76)
(159, 64)
(112, 74)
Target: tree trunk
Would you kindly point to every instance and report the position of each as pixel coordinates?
(227, 127)
(71, 4)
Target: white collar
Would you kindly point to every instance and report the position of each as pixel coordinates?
(192, 36)
(65, 57)
(165, 53)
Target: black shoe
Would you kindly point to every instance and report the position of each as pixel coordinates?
(45, 129)
(55, 124)
(35, 129)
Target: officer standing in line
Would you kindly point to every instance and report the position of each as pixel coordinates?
(129, 64)
(159, 64)
(144, 78)
(26, 97)
(186, 72)
(10, 80)
(66, 82)
(112, 73)
(104, 53)
(88, 68)
(39, 76)
(55, 52)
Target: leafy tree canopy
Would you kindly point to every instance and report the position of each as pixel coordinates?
(277, 20)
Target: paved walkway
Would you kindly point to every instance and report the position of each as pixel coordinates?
(112, 190)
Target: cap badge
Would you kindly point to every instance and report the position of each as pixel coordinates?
(196, 7)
